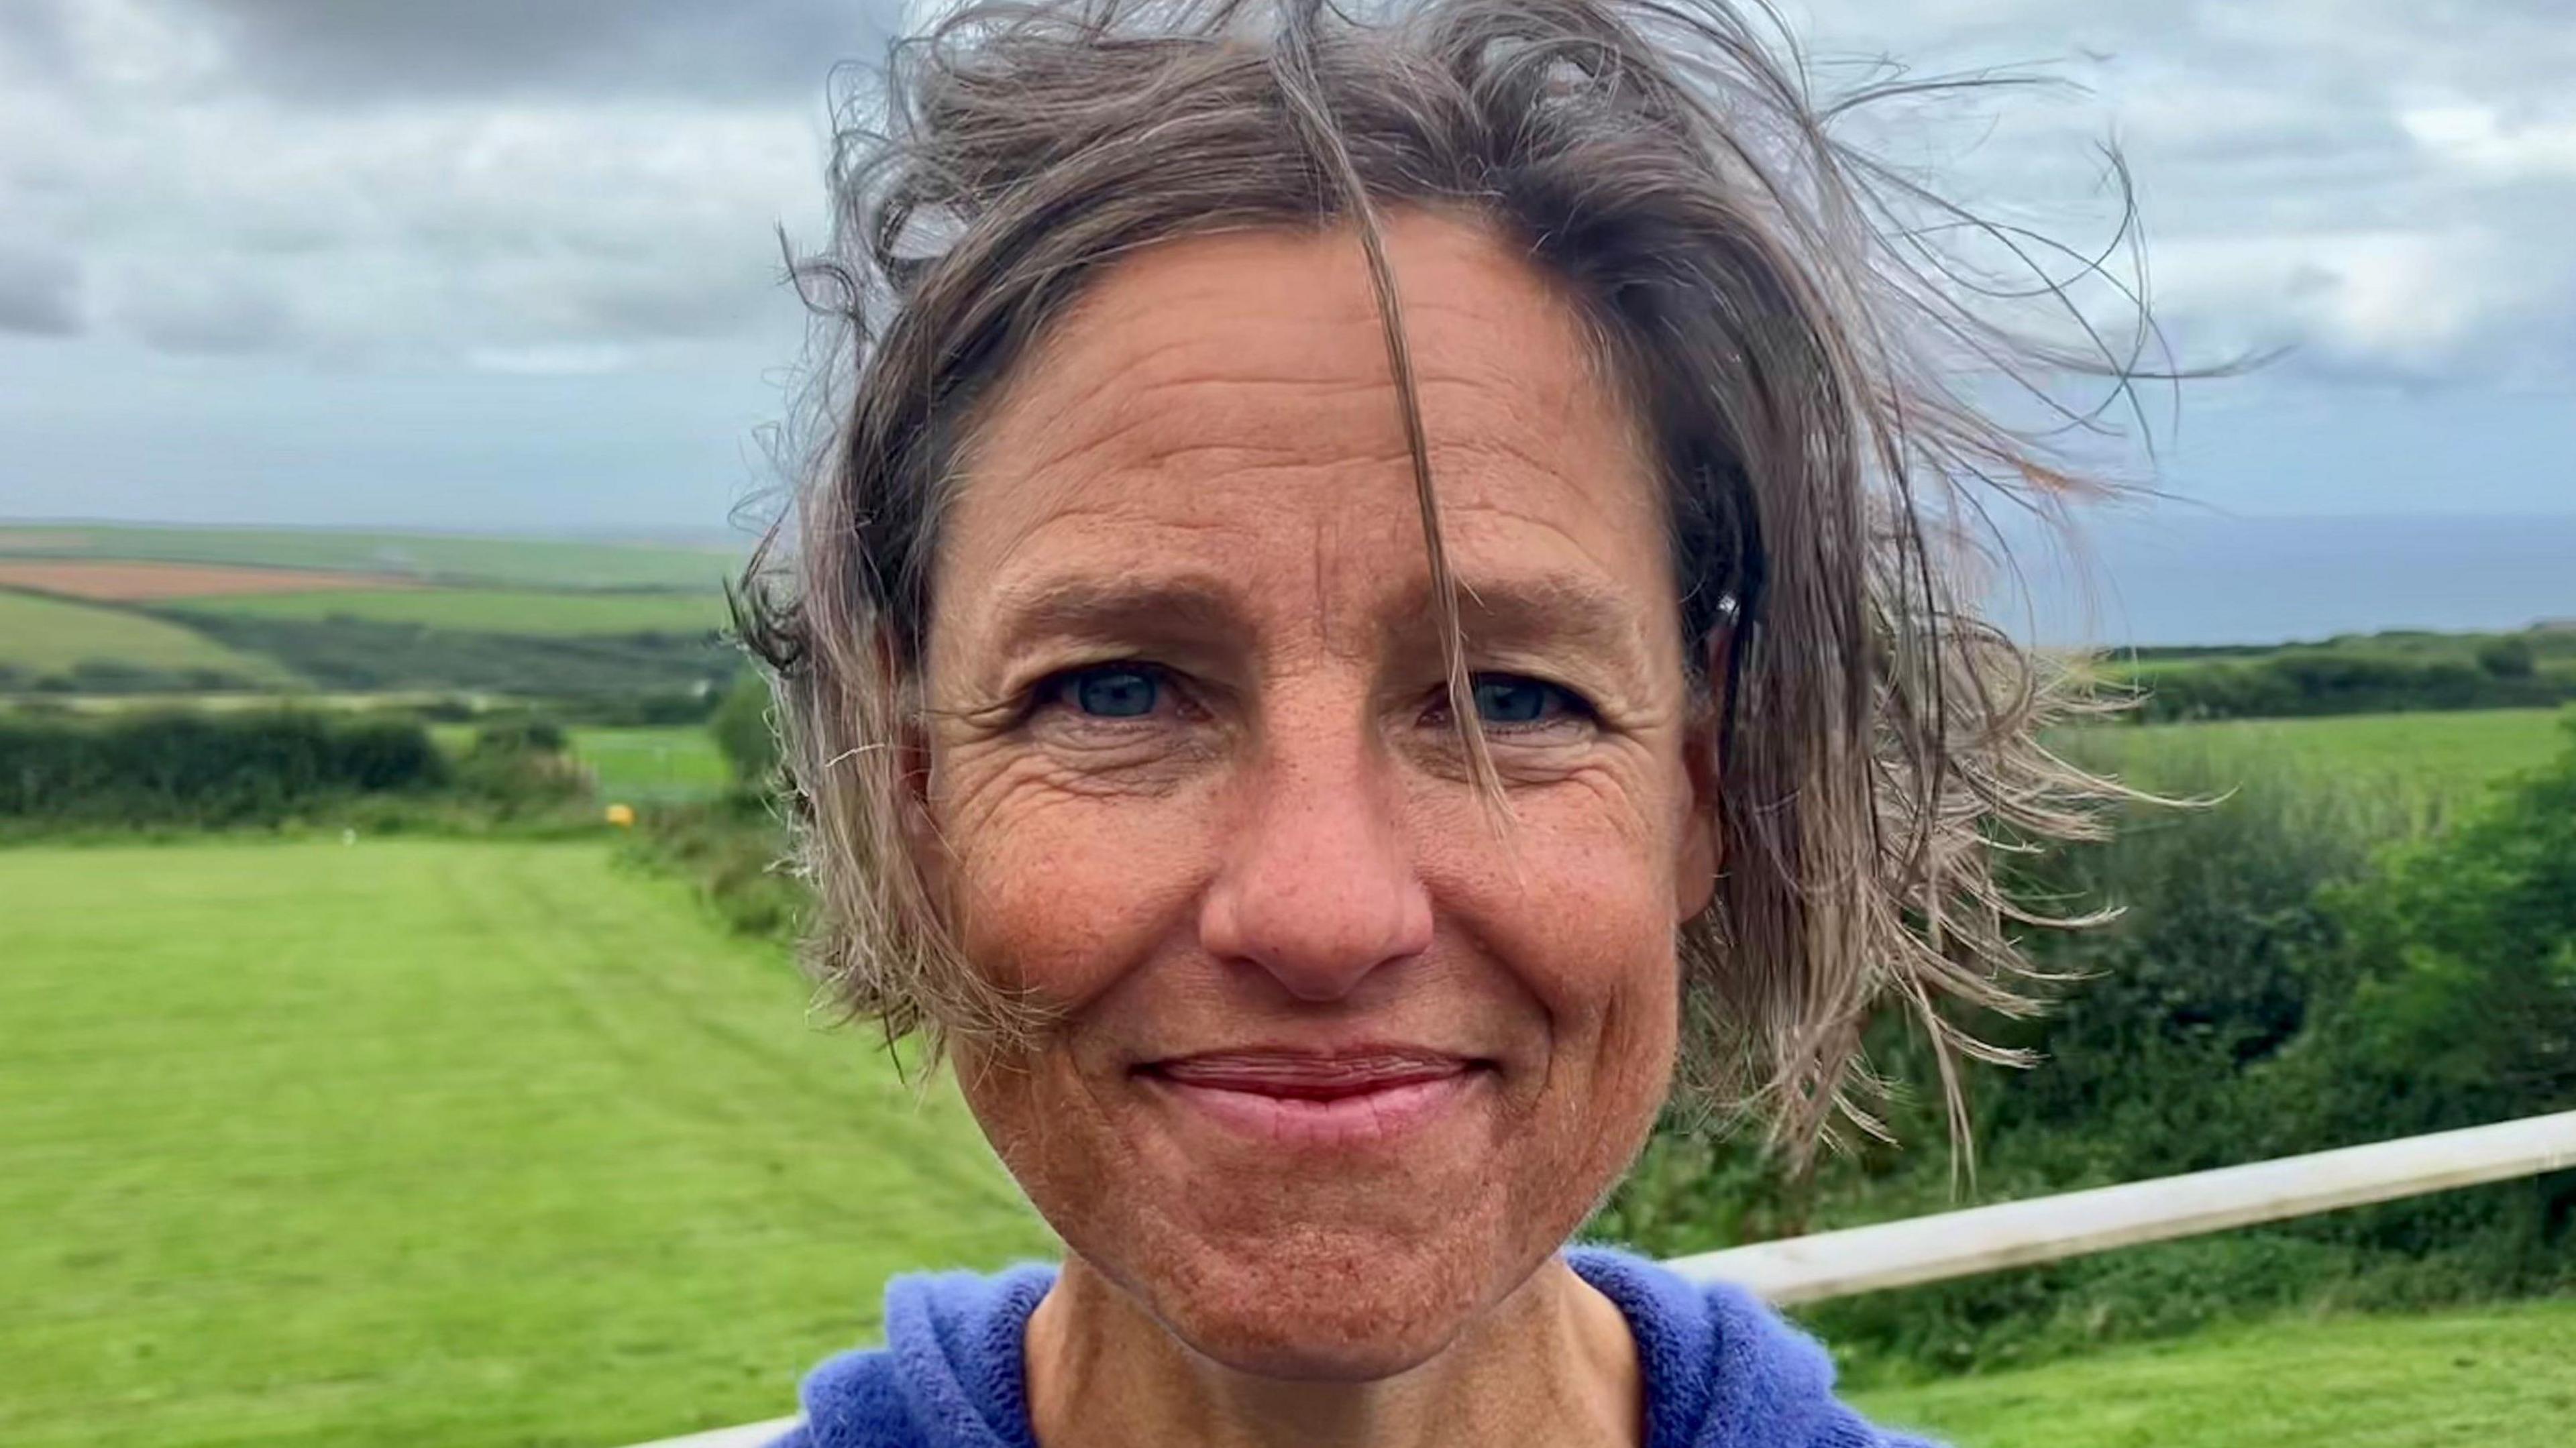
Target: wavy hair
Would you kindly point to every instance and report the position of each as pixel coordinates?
(1775, 304)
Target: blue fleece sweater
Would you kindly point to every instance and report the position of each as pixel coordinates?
(1721, 1369)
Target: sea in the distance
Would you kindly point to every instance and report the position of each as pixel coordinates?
(2184, 575)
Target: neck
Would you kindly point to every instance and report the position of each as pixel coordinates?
(1552, 1363)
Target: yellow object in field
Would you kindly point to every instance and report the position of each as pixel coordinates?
(622, 816)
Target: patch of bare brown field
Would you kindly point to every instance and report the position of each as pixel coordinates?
(108, 581)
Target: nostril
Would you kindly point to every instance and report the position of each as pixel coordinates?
(1318, 948)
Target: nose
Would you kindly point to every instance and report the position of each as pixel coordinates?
(1320, 888)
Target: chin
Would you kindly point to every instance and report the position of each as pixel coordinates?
(1323, 1305)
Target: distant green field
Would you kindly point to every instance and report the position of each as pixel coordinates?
(482, 610)
(633, 764)
(410, 1143)
(2449, 755)
(2502, 1377)
(44, 636)
(524, 562)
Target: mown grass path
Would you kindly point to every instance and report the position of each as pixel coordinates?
(434, 1142)
(2502, 1377)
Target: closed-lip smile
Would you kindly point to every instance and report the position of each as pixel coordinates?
(1294, 1097)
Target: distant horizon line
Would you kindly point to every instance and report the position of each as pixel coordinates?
(2191, 578)
(709, 534)
(699, 535)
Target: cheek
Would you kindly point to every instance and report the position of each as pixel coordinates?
(1578, 900)
(1057, 889)
(1578, 907)
(1062, 893)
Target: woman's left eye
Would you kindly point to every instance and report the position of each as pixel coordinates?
(1508, 701)
(1110, 691)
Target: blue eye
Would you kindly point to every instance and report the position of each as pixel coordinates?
(1113, 691)
(1506, 700)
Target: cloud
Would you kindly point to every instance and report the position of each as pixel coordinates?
(516, 257)
(2488, 144)
(2407, 300)
(205, 312)
(223, 216)
(381, 51)
(2377, 184)
(563, 360)
(32, 39)
(40, 290)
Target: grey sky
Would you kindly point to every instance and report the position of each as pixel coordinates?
(492, 263)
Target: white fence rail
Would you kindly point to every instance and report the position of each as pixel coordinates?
(2046, 1229)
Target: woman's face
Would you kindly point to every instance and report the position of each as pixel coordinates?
(1341, 1059)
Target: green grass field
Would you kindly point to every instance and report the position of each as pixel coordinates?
(413, 1142)
(43, 636)
(487, 610)
(633, 764)
(434, 1142)
(2450, 755)
(524, 562)
(2500, 1377)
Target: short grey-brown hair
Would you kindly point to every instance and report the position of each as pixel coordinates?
(1789, 342)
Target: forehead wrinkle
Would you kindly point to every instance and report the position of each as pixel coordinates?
(1109, 363)
(1136, 371)
(1326, 543)
(1123, 411)
(1483, 530)
(1464, 471)
(1475, 522)
(1140, 446)
(1109, 422)
(1107, 350)
(1320, 419)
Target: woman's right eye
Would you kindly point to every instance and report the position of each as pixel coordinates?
(1109, 691)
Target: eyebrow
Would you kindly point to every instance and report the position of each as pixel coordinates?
(1182, 606)
(1542, 607)
(1553, 607)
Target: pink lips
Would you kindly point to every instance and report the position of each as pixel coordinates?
(1318, 1099)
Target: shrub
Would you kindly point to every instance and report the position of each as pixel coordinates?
(523, 734)
(118, 676)
(745, 734)
(522, 763)
(2387, 673)
(204, 768)
(2299, 967)
(2509, 658)
(731, 850)
(2452, 996)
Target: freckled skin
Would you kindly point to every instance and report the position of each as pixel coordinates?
(1286, 847)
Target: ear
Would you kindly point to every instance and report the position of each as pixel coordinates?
(1701, 850)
